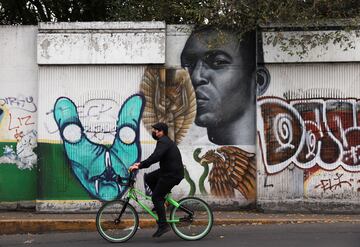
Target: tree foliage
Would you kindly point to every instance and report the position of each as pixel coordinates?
(241, 15)
(30, 12)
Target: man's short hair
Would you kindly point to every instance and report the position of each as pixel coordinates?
(161, 127)
(248, 41)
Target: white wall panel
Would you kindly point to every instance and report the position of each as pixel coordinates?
(101, 43)
(336, 80)
(176, 36)
(18, 95)
(330, 52)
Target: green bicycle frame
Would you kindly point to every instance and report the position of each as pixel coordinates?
(135, 193)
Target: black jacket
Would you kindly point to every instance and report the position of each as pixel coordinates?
(169, 156)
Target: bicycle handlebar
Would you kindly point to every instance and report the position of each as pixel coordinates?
(129, 181)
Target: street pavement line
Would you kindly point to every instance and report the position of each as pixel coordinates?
(20, 226)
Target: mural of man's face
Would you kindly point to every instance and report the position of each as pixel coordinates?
(222, 75)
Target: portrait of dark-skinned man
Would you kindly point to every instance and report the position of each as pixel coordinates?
(222, 67)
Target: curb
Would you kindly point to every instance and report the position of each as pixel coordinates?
(43, 226)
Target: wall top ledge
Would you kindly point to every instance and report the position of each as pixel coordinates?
(98, 26)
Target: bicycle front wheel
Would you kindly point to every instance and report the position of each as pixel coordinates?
(112, 226)
(192, 226)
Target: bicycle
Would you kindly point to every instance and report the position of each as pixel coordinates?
(117, 221)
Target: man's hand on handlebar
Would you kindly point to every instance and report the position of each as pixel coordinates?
(134, 167)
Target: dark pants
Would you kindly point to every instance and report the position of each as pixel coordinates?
(160, 187)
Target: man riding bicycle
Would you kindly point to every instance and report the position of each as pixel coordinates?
(162, 180)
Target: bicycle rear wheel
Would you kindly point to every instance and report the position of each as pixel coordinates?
(114, 228)
(193, 227)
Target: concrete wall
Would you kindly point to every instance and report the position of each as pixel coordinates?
(308, 127)
(101, 43)
(95, 69)
(345, 49)
(84, 116)
(87, 94)
(18, 115)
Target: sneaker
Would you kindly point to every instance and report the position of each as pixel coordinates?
(161, 230)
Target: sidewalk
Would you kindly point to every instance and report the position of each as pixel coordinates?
(12, 222)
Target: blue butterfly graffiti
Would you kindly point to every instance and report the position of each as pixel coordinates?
(94, 165)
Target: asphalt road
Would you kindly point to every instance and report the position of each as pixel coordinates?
(288, 235)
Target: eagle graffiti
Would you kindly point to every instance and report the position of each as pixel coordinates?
(232, 169)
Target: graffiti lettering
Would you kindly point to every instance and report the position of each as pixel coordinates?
(20, 102)
(21, 122)
(98, 109)
(308, 133)
(106, 129)
(326, 184)
(18, 134)
(97, 115)
(266, 183)
(15, 124)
